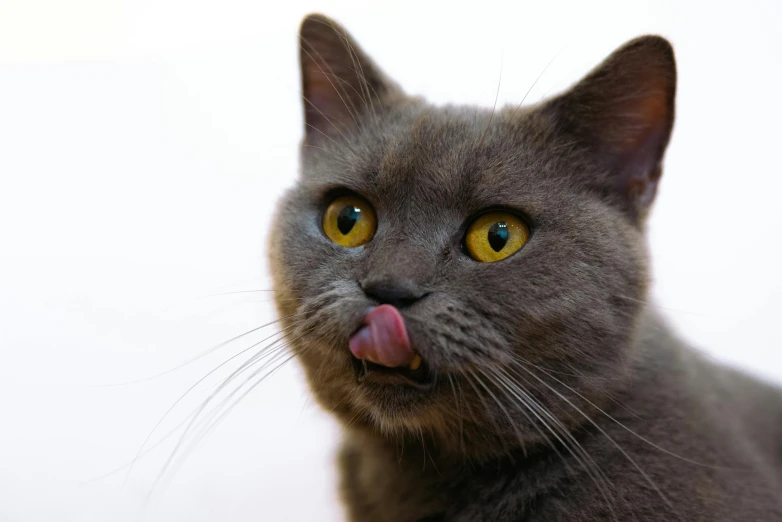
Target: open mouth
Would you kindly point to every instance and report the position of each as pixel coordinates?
(415, 374)
(382, 351)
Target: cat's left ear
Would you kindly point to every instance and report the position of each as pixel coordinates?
(623, 112)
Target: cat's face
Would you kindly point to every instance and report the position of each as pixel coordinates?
(501, 342)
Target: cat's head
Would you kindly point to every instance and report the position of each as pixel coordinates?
(503, 248)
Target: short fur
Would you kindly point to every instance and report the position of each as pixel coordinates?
(559, 394)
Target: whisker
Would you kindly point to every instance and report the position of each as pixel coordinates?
(193, 424)
(199, 381)
(211, 422)
(494, 108)
(591, 382)
(144, 451)
(615, 444)
(423, 448)
(583, 458)
(459, 414)
(353, 419)
(147, 451)
(260, 355)
(198, 356)
(667, 309)
(491, 418)
(553, 446)
(535, 83)
(273, 350)
(641, 437)
(502, 407)
(576, 373)
(171, 468)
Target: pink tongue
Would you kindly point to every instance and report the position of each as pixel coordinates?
(383, 338)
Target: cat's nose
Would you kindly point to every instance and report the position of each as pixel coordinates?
(399, 293)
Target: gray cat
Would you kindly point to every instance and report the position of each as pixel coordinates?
(467, 292)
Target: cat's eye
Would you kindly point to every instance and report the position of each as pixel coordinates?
(495, 235)
(349, 221)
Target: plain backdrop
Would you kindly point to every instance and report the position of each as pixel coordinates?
(143, 145)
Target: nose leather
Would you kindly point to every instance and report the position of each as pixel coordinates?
(394, 291)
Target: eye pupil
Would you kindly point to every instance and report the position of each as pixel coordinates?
(498, 236)
(347, 218)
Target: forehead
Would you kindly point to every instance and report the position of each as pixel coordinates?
(428, 159)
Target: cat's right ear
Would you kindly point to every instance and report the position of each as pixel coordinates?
(340, 84)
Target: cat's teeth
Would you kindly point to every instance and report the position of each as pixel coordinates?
(415, 363)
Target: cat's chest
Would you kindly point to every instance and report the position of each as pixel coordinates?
(376, 485)
(383, 487)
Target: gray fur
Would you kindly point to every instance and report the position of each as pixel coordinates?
(628, 423)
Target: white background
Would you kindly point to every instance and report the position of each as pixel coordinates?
(143, 145)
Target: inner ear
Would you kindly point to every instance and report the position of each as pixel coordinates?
(340, 84)
(623, 111)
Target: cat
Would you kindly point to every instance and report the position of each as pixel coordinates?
(467, 290)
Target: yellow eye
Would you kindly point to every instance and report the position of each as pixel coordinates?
(349, 221)
(495, 236)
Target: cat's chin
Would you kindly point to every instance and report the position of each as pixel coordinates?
(393, 392)
(393, 399)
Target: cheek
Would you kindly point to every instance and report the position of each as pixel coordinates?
(564, 296)
(329, 377)
(306, 257)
